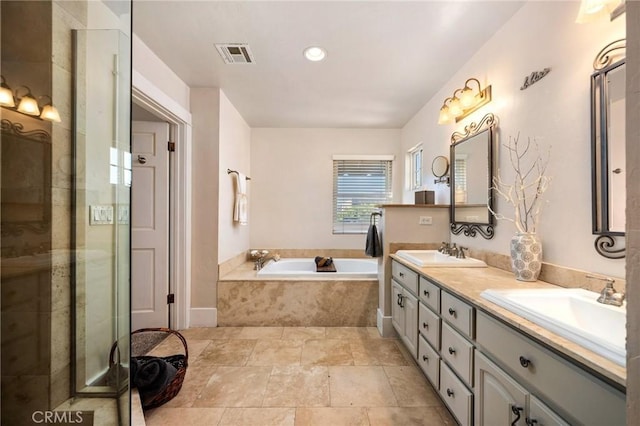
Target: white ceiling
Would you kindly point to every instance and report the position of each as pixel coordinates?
(385, 59)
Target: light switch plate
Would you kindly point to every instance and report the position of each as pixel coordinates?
(101, 215)
(425, 220)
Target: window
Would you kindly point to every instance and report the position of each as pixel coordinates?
(460, 179)
(415, 166)
(360, 185)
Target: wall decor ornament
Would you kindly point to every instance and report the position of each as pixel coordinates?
(534, 77)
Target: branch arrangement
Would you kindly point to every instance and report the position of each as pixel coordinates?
(529, 184)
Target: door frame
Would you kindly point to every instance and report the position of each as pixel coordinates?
(153, 99)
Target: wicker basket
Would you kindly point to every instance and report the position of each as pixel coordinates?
(180, 362)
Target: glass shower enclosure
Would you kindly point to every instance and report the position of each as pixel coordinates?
(101, 211)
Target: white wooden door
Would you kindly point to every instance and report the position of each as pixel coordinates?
(150, 225)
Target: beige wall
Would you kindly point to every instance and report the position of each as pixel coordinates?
(292, 183)
(555, 111)
(235, 138)
(633, 210)
(205, 110)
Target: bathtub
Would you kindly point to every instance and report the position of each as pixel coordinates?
(306, 268)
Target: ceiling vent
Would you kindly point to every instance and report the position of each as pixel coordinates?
(235, 53)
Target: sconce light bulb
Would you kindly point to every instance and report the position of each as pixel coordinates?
(467, 98)
(50, 113)
(6, 97)
(444, 116)
(455, 109)
(29, 105)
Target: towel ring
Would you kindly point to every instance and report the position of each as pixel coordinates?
(372, 218)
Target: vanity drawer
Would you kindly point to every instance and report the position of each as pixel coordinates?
(429, 325)
(456, 395)
(457, 313)
(430, 294)
(429, 362)
(405, 276)
(558, 381)
(458, 352)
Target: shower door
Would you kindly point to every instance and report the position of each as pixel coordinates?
(101, 231)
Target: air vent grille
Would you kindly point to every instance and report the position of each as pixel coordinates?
(235, 53)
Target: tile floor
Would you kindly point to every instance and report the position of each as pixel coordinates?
(298, 376)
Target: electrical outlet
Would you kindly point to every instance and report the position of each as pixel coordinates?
(425, 220)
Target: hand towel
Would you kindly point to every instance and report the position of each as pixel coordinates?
(240, 213)
(373, 246)
(153, 376)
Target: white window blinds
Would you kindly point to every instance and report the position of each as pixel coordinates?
(359, 187)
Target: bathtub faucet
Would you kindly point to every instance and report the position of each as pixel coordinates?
(262, 257)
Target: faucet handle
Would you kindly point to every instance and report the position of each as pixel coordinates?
(608, 280)
(461, 250)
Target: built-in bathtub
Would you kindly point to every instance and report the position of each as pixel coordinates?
(306, 268)
(291, 293)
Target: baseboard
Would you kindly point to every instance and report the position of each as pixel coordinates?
(203, 317)
(385, 327)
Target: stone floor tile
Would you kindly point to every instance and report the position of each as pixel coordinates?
(228, 352)
(347, 333)
(303, 333)
(260, 333)
(332, 416)
(163, 416)
(197, 377)
(405, 416)
(298, 386)
(258, 417)
(276, 352)
(360, 386)
(235, 387)
(326, 352)
(211, 333)
(411, 387)
(376, 352)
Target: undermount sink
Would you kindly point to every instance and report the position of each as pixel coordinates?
(435, 259)
(571, 313)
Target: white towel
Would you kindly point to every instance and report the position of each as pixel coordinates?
(240, 205)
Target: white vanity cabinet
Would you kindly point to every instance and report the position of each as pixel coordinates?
(404, 307)
(578, 396)
(489, 373)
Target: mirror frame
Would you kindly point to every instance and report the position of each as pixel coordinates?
(446, 170)
(605, 244)
(14, 133)
(471, 229)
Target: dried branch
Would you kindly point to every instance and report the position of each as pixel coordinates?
(529, 184)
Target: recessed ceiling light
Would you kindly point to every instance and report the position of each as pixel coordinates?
(315, 53)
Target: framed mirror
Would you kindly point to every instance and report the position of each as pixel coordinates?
(608, 149)
(471, 177)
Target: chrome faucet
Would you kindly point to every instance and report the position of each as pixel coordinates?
(609, 295)
(261, 257)
(461, 250)
(444, 248)
(453, 251)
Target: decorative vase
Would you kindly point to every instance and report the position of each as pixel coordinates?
(526, 256)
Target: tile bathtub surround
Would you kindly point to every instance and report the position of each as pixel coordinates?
(298, 376)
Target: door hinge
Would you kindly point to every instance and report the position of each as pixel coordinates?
(171, 298)
(171, 146)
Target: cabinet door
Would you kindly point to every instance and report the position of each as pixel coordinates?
(497, 395)
(410, 304)
(543, 415)
(397, 313)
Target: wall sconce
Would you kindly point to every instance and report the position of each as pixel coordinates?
(27, 103)
(591, 10)
(464, 101)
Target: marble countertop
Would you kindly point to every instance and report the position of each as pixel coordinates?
(468, 283)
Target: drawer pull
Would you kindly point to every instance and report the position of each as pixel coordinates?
(517, 411)
(449, 392)
(425, 358)
(401, 274)
(452, 312)
(530, 422)
(451, 350)
(425, 325)
(401, 301)
(524, 362)
(426, 293)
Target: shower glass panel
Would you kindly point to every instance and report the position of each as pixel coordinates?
(101, 232)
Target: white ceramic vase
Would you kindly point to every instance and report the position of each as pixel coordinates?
(526, 256)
